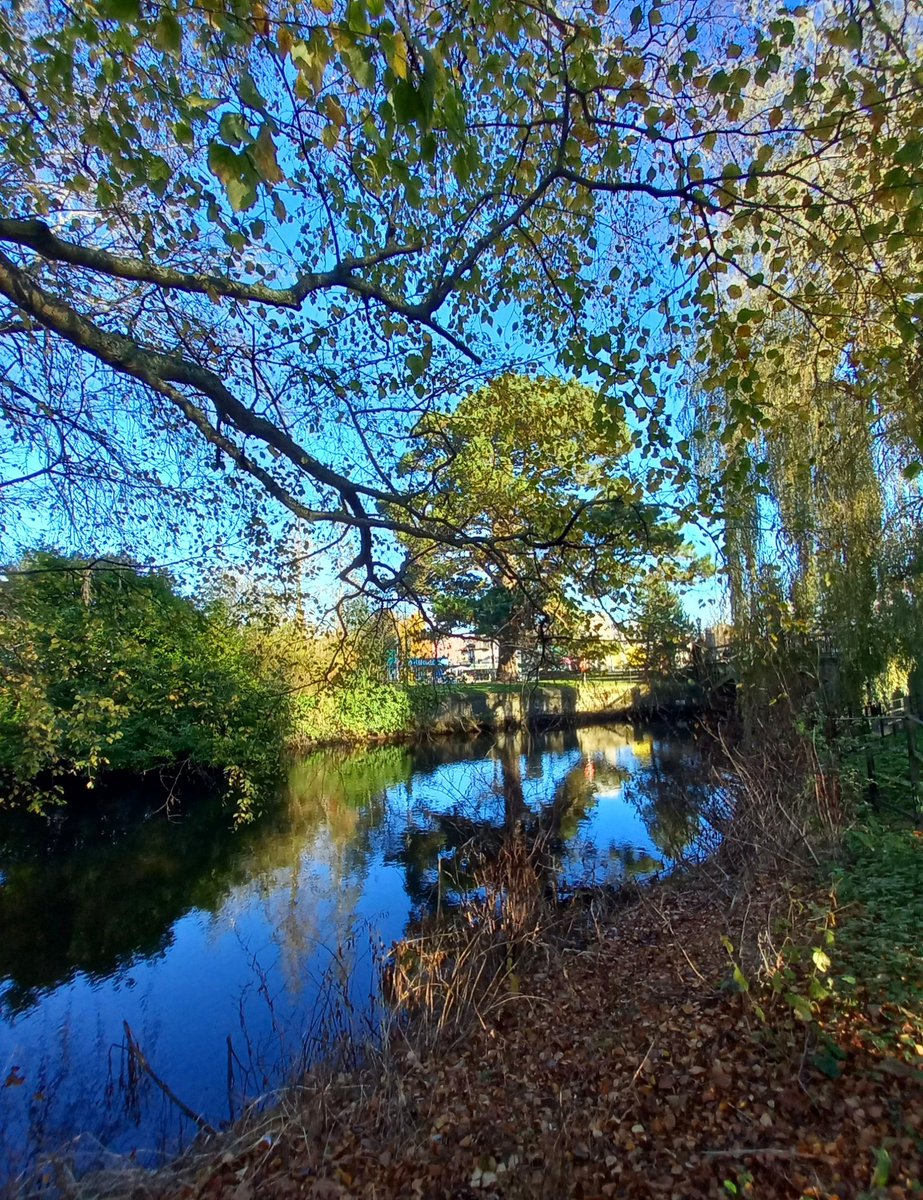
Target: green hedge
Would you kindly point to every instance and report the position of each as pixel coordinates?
(362, 709)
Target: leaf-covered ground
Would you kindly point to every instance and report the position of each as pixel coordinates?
(629, 1066)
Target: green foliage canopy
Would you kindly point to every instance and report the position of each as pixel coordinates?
(244, 226)
(103, 668)
(661, 631)
(545, 455)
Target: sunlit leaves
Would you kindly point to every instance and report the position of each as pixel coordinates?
(106, 668)
(236, 173)
(395, 48)
(610, 187)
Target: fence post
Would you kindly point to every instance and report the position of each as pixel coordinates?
(913, 761)
(870, 768)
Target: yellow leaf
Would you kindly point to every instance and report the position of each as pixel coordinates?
(263, 154)
(335, 111)
(398, 61)
(260, 20)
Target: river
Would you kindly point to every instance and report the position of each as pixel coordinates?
(234, 955)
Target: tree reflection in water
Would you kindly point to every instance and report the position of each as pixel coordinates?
(663, 778)
(92, 896)
(192, 930)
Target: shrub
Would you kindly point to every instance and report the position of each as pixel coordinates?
(103, 668)
(360, 707)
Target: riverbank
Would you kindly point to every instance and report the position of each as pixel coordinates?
(367, 712)
(725, 1031)
(629, 1066)
(200, 935)
(702, 1041)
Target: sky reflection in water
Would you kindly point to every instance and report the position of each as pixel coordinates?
(218, 947)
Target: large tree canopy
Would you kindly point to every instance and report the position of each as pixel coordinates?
(281, 231)
(543, 455)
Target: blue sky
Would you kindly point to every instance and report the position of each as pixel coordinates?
(196, 548)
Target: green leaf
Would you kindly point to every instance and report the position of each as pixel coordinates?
(121, 10)
(882, 1171)
(235, 173)
(249, 93)
(201, 103)
(408, 107)
(828, 1064)
(801, 1006)
(357, 18)
(851, 36)
(168, 33)
(234, 128)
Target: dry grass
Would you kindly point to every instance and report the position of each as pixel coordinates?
(779, 809)
(777, 802)
(461, 971)
(454, 975)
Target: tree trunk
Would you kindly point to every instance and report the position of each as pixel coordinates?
(507, 670)
(514, 801)
(509, 639)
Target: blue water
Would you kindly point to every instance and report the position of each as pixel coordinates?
(234, 956)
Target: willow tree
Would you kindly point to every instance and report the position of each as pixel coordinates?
(278, 232)
(543, 454)
(816, 511)
(807, 433)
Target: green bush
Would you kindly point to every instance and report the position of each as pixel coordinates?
(360, 708)
(104, 669)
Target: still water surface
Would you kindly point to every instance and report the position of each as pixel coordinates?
(231, 954)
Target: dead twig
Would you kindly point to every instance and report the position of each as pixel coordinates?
(137, 1054)
(766, 1152)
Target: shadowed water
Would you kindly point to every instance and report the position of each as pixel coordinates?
(234, 955)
